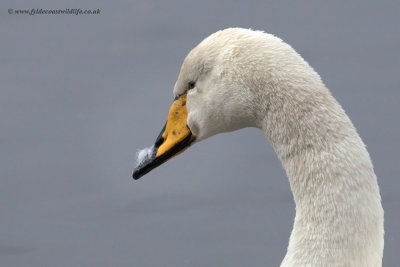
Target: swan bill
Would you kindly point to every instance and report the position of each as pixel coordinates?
(174, 138)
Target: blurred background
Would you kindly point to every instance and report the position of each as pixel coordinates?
(80, 94)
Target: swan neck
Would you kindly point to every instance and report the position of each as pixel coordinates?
(339, 217)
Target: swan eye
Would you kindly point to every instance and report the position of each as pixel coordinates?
(191, 85)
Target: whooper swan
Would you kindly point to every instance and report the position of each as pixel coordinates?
(239, 78)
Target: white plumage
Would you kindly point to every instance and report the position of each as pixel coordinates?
(246, 78)
(144, 155)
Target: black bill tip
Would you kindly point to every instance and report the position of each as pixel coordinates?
(145, 165)
(152, 161)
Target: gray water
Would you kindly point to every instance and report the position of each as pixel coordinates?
(80, 94)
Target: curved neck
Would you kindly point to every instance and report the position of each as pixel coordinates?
(339, 217)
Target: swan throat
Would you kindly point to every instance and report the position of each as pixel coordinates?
(174, 138)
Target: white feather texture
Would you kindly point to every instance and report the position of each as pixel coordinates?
(248, 78)
(144, 155)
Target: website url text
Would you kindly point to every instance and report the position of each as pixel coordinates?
(41, 11)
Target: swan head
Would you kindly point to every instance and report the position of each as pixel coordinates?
(222, 86)
(218, 100)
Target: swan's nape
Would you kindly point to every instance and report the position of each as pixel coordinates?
(174, 138)
(239, 78)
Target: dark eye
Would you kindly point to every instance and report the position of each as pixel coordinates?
(191, 85)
